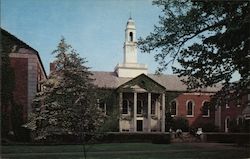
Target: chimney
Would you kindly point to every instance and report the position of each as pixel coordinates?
(52, 67)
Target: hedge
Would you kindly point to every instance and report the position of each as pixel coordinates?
(158, 138)
(239, 138)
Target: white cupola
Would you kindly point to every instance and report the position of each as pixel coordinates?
(130, 67)
(130, 47)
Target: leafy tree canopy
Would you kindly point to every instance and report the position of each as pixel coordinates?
(67, 103)
(210, 40)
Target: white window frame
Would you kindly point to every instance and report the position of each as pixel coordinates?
(238, 117)
(153, 104)
(176, 108)
(141, 102)
(227, 125)
(193, 106)
(208, 111)
(127, 106)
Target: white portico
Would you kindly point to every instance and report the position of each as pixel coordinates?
(130, 67)
(142, 105)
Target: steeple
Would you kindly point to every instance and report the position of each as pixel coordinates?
(130, 67)
(130, 47)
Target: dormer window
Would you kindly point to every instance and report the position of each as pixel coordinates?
(131, 36)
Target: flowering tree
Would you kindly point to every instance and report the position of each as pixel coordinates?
(67, 103)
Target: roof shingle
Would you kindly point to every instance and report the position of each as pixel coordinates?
(170, 82)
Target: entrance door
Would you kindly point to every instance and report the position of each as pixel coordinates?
(139, 125)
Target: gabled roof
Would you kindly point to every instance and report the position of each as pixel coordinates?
(142, 83)
(5, 35)
(170, 82)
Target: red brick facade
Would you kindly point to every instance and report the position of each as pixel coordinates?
(20, 67)
(198, 99)
(232, 110)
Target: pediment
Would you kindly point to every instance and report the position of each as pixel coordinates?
(141, 83)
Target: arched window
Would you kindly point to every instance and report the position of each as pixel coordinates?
(240, 120)
(139, 106)
(130, 36)
(227, 121)
(205, 109)
(173, 108)
(190, 109)
(125, 104)
(153, 107)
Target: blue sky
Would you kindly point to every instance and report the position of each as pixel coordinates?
(95, 28)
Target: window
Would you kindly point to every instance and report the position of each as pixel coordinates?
(227, 121)
(153, 107)
(205, 109)
(125, 104)
(190, 109)
(139, 106)
(39, 78)
(173, 108)
(239, 121)
(102, 106)
(130, 36)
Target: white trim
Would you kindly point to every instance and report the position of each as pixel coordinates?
(127, 106)
(153, 104)
(193, 107)
(238, 117)
(176, 107)
(208, 112)
(141, 104)
(226, 125)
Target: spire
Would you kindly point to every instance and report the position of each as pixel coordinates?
(130, 17)
(130, 67)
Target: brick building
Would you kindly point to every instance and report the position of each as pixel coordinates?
(142, 98)
(28, 72)
(233, 113)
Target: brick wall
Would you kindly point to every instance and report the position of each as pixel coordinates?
(197, 99)
(20, 66)
(233, 111)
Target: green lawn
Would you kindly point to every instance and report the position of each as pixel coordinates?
(128, 150)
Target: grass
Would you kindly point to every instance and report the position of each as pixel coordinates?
(127, 150)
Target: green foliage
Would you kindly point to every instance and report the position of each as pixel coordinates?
(119, 137)
(111, 123)
(210, 40)
(67, 103)
(238, 127)
(169, 121)
(208, 127)
(181, 123)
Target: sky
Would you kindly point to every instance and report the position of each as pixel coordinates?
(95, 28)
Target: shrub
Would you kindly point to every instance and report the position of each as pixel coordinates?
(169, 121)
(181, 123)
(158, 138)
(239, 138)
(208, 127)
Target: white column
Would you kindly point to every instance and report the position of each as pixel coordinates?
(163, 113)
(149, 112)
(135, 110)
(120, 110)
